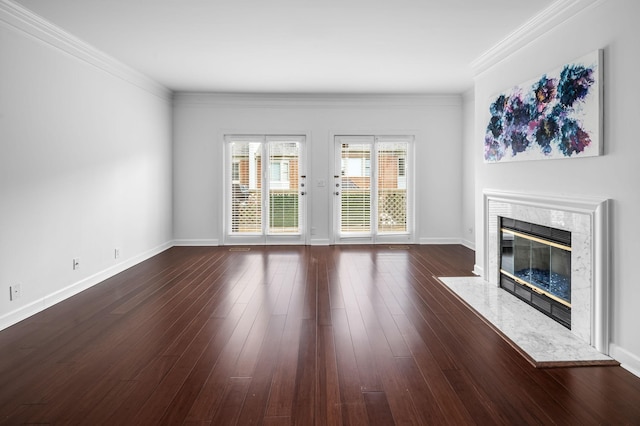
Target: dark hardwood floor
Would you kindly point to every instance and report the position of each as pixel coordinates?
(289, 335)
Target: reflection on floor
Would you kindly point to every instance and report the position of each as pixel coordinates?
(544, 342)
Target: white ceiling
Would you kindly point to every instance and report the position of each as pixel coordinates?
(295, 46)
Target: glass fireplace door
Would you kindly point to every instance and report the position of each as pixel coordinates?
(538, 263)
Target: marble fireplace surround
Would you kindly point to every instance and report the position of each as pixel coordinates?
(588, 221)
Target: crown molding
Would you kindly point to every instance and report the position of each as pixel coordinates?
(13, 15)
(551, 17)
(310, 100)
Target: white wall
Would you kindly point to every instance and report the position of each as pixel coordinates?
(200, 121)
(610, 25)
(468, 156)
(85, 167)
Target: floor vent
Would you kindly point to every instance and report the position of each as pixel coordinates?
(239, 249)
(399, 247)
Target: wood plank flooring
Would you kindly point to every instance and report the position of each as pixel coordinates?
(349, 335)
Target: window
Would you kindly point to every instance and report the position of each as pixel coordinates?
(360, 167)
(235, 170)
(279, 171)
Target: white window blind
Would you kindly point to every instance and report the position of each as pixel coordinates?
(246, 187)
(355, 188)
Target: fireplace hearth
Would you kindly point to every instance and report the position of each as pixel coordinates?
(535, 266)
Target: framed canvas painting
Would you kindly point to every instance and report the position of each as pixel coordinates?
(558, 115)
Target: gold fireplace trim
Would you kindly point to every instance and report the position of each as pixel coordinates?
(536, 239)
(536, 289)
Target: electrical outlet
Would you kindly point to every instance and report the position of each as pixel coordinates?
(15, 291)
(116, 253)
(76, 263)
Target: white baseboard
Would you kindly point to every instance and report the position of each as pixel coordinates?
(468, 244)
(23, 312)
(320, 242)
(49, 300)
(627, 360)
(426, 241)
(196, 243)
(478, 270)
(327, 242)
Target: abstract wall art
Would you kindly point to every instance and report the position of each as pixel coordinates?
(555, 116)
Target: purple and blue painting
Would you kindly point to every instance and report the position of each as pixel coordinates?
(556, 116)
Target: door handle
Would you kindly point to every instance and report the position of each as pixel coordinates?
(303, 193)
(337, 193)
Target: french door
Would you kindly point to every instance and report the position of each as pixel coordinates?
(265, 190)
(372, 189)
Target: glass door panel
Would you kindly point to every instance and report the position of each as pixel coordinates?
(392, 186)
(285, 188)
(372, 199)
(265, 188)
(246, 188)
(355, 185)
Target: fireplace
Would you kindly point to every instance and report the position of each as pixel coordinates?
(535, 266)
(586, 220)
